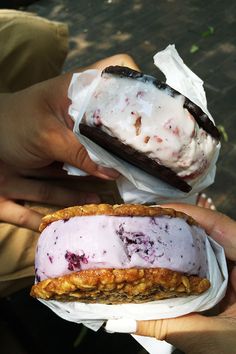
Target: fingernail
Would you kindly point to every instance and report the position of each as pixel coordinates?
(209, 200)
(121, 326)
(109, 172)
(203, 195)
(212, 207)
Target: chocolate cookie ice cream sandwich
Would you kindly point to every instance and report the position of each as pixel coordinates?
(150, 125)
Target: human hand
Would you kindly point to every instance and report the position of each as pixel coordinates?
(15, 187)
(35, 128)
(195, 333)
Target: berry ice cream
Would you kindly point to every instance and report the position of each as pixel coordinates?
(113, 254)
(153, 119)
(103, 241)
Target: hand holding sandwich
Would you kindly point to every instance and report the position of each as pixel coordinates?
(196, 333)
(33, 134)
(19, 188)
(35, 131)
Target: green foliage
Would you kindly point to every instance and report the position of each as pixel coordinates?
(209, 32)
(194, 48)
(223, 133)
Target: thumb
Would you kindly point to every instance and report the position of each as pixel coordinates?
(67, 148)
(191, 333)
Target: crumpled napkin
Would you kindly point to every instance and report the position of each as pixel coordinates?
(135, 185)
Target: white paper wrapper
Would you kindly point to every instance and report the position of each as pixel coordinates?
(94, 315)
(136, 186)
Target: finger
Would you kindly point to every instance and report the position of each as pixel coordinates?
(183, 332)
(166, 329)
(205, 202)
(47, 192)
(68, 149)
(16, 214)
(118, 59)
(55, 170)
(228, 304)
(217, 225)
(192, 333)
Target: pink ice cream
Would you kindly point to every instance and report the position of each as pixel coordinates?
(152, 121)
(89, 242)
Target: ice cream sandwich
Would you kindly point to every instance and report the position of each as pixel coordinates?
(150, 125)
(116, 254)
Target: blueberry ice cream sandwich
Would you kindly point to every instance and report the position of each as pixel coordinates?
(150, 125)
(115, 254)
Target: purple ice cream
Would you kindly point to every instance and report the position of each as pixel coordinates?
(102, 241)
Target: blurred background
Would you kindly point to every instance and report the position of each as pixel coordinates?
(204, 34)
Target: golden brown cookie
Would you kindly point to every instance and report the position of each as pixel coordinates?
(116, 286)
(115, 210)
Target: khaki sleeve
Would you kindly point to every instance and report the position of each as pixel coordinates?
(33, 49)
(17, 250)
(17, 253)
